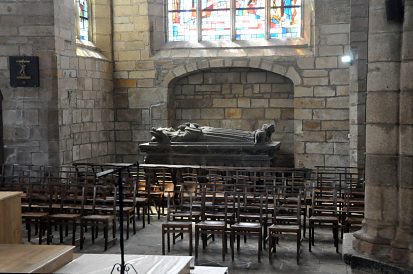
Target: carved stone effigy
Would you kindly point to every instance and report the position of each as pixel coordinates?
(191, 144)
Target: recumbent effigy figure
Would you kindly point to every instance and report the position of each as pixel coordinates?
(192, 132)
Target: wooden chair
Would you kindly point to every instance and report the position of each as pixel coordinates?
(286, 221)
(143, 197)
(250, 218)
(176, 224)
(98, 212)
(353, 211)
(216, 216)
(66, 208)
(36, 210)
(323, 211)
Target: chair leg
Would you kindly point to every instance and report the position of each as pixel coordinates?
(190, 241)
(93, 232)
(259, 246)
(163, 241)
(114, 228)
(81, 234)
(127, 226)
(74, 233)
(224, 245)
(196, 242)
(134, 224)
(298, 245)
(231, 243)
(48, 233)
(310, 238)
(168, 236)
(105, 233)
(270, 247)
(61, 233)
(29, 229)
(41, 228)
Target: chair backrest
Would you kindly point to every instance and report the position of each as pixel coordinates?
(324, 200)
(286, 206)
(214, 204)
(185, 204)
(252, 204)
(105, 199)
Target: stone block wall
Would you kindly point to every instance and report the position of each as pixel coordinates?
(85, 86)
(70, 116)
(86, 113)
(27, 28)
(320, 80)
(239, 98)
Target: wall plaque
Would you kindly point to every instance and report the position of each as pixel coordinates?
(24, 71)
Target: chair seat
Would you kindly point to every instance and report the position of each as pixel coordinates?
(247, 225)
(34, 214)
(97, 217)
(65, 216)
(287, 228)
(186, 214)
(177, 224)
(323, 219)
(209, 223)
(141, 199)
(249, 216)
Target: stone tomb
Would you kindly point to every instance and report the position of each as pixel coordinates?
(195, 145)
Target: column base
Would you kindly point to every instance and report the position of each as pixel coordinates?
(371, 256)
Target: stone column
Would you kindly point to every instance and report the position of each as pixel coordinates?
(382, 134)
(404, 235)
(358, 81)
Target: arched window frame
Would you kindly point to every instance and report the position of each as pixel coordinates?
(89, 20)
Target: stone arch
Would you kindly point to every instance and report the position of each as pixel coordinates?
(240, 97)
(287, 71)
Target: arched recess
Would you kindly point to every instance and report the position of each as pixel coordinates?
(236, 97)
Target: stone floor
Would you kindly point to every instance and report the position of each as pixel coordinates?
(322, 259)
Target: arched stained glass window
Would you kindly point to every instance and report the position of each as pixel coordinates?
(83, 20)
(209, 20)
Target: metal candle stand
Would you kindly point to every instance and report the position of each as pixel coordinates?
(120, 267)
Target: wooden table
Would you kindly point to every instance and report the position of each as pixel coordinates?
(144, 264)
(25, 258)
(10, 217)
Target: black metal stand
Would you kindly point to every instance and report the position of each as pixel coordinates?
(121, 267)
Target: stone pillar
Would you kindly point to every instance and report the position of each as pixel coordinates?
(382, 134)
(404, 234)
(358, 81)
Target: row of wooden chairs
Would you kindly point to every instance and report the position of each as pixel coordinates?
(236, 212)
(333, 203)
(70, 200)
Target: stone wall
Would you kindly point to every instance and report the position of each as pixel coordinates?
(239, 98)
(30, 129)
(321, 81)
(85, 106)
(70, 116)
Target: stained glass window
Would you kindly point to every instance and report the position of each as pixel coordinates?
(285, 19)
(83, 20)
(250, 19)
(182, 20)
(216, 20)
(208, 20)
